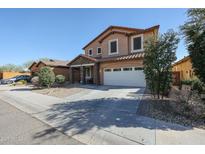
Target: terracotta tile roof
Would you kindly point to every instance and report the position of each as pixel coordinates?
(118, 58)
(54, 63)
(126, 57)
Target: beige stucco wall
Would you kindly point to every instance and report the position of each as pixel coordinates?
(115, 64)
(6, 75)
(57, 70)
(62, 71)
(94, 45)
(36, 68)
(40, 65)
(124, 43)
(185, 69)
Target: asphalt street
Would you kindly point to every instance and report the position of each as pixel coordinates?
(17, 127)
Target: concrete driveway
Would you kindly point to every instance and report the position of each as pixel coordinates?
(102, 115)
(96, 115)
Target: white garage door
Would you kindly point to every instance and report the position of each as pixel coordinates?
(131, 76)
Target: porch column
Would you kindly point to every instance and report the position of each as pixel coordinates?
(82, 75)
(71, 75)
(96, 74)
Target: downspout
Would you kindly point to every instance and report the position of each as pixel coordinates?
(128, 43)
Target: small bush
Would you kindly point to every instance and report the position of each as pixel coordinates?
(198, 86)
(46, 76)
(35, 80)
(186, 82)
(35, 74)
(60, 79)
(22, 82)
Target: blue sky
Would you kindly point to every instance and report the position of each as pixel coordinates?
(27, 34)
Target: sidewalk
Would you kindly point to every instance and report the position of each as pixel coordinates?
(139, 130)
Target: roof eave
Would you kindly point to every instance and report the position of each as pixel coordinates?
(31, 65)
(111, 27)
(82, 55)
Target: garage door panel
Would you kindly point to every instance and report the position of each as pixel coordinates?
(125, 78)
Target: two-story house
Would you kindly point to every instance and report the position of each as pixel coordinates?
(114, 57)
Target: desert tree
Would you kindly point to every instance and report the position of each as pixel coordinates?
(160, 53)
(194, 33)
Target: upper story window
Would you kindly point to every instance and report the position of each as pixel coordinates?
(90, 52)
(99, 51)
(113, 46)
(137, 43)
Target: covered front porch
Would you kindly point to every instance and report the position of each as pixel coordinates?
(84, 70)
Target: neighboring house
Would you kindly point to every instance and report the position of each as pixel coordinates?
(184, 68)
(11, 74)
(114, 57)
(59, 67)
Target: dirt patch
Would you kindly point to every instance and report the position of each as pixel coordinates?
(59, 91)
(174, 111)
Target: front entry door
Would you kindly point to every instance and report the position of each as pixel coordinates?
(76, 75)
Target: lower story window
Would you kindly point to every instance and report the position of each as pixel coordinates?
(107, 70)
(138, 68)
(116, 69)
(127, 69)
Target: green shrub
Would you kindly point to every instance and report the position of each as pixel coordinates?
(198, 86)
(60, 79)
(46, 76)
(35, 74)
(186, 82)
(35, 81)
(22, 82)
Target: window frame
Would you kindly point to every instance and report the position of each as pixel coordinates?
(88, 75)
(89, 51)
(109, 46)
(127, 69)
(117, 69)
(138, 68)
(132, 43)
(100, 52)
(106, 70)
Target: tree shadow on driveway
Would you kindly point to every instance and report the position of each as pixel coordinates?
(82, 116)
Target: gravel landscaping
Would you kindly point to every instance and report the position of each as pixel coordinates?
(173, 110)
(59, 91)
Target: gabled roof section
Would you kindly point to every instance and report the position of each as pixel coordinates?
(82, 56)
(116, 29)
(146, 30)
(181, 60)
(54, 63)
(34, 63)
